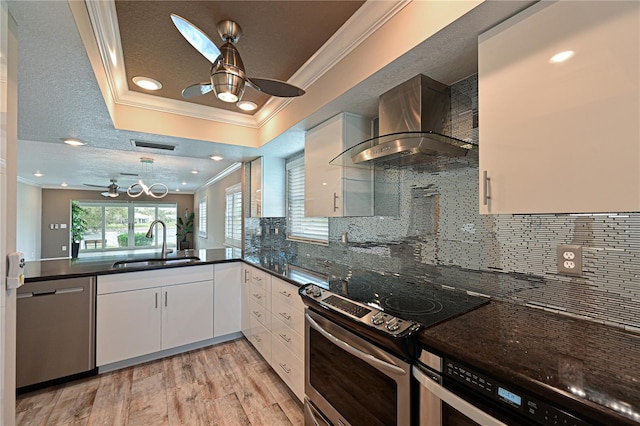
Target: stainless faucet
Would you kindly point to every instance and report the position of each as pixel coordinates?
(164, 237)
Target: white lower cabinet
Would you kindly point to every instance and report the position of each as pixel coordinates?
(273, 321)
(139, 313)
(226, 299)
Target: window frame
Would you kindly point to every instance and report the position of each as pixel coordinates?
(233, 226)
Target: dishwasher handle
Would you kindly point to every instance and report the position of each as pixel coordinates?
(50, 292)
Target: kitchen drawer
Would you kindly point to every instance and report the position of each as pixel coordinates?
(290, 314)
(288, 367)
(260, 313)
(259, 295)
(293, 341)
(286, 292)
(260, 337)
(261, 279)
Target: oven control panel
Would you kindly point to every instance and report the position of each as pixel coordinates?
(360, 312)
(510, 398)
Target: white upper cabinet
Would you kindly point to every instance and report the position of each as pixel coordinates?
(334, 190)
(267, 187)
(561, 137)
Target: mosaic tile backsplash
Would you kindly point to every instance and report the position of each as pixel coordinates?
(437, 234)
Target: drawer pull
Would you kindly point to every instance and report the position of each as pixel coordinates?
(285, 293)
(258, 339)
(258, 314)
(284, 367)
(257, 296)
(285, 338)
(285, 316)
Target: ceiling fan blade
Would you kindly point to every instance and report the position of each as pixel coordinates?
(96, 186)
(196, 37)
(275, 87)
(197, 90)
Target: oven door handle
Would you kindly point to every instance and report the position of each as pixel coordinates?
(450, 398)
(355, 351)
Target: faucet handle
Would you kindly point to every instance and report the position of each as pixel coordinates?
(168, 251)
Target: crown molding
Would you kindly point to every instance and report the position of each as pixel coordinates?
(102, 14)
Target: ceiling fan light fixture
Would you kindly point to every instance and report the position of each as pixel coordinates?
(147, 83)
(247, 105)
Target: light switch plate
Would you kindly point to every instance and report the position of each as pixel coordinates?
(570, 259)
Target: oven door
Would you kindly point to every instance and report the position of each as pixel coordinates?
(350, 380)
(439, 406)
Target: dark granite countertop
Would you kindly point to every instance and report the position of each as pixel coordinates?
(52, 269)
(586, 367)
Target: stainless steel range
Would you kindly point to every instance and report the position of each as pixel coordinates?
(360, 336)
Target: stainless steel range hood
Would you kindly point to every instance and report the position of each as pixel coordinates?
(411, 122)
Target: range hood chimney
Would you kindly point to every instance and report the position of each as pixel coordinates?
(411, 125)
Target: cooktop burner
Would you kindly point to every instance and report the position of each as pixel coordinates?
(411, 305)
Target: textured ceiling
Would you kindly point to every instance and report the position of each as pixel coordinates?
(59, 94)
(278, 37)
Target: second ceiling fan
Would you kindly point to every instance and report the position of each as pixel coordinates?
(228, 78)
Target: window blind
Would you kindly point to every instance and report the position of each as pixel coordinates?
(202, 218)
(313, 229)
(233, 216)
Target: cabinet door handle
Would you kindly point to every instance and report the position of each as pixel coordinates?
(156, 300)
(166, 299)
(246, 271)
(284, 367)
(285, 316)
(486, 180)
(285, 293)
(335, 201)
(285, 338)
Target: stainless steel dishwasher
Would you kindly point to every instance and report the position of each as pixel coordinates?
(55, 336)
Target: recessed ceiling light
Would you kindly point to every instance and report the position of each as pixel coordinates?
(177, 189)
(147, 83)
(216, 157)
(73, 142)
(562, 56)
(247, 105)
(38, 173)
(194, 171)
(64, 184)
(184, 183)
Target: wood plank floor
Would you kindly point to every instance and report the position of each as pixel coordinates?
(226, 384)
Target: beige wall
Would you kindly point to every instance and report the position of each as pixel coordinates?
(56, 209)
(215, 194)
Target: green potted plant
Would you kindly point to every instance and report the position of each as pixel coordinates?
(78, 227)
(184, 227)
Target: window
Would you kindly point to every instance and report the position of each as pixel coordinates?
(233, 216)
(202, 218)
(117, 225)
(310, 229)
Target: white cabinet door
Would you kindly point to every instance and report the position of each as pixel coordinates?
(227, 299)
(267, 187)
(127, 325)
(187, 313)
(333, 190)
(561, 137)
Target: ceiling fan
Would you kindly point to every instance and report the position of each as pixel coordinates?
(227, 75)
(113, 190)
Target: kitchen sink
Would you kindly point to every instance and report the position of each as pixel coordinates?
(147, 263)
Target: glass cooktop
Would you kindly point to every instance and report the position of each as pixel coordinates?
(422, 302)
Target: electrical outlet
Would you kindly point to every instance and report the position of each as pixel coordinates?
(64, 248)
(570, 259)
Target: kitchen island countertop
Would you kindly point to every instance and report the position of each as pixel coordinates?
(51, 269)
(587, 367)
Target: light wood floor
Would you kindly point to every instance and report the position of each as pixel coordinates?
(226, 384)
